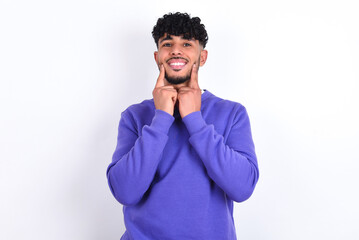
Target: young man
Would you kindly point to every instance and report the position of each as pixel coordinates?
(184, 156)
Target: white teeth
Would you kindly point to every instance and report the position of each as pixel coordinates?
(177, 64)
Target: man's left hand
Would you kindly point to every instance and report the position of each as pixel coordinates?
(189, 98)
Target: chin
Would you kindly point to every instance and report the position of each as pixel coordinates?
(177, 79)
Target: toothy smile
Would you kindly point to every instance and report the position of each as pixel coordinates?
(177, 64)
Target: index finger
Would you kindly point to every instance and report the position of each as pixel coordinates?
(161, 78)
(194, 77)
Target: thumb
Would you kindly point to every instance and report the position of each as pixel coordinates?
(161, 78)
(194, 77)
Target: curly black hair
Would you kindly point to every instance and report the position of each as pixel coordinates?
(180, 24)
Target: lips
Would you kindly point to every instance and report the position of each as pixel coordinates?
(177, 63)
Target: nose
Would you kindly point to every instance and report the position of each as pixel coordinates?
(176, 50)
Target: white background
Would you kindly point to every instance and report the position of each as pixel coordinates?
(69, 68)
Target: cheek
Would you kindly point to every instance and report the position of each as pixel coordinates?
(161, 58)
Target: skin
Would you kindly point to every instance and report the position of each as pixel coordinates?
(186, 95)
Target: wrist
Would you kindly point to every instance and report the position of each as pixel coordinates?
(194, 122)
(162, 121)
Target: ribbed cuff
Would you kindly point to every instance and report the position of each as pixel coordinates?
(194, 122)
(162, 121)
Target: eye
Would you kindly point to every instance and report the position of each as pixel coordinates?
(166, 45)
(187, 45)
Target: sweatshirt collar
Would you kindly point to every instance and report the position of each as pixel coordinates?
(205, 94)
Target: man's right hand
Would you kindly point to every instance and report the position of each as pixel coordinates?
(165, 97)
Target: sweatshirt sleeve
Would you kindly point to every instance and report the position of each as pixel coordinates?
(136, 156)
(232, 165)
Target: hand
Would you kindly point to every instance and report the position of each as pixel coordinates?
(164, 97)
(189, 98)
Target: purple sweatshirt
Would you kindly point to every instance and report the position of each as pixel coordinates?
(177, 178)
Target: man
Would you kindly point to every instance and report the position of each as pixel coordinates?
(184, 156)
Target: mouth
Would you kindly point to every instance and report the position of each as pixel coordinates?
(177, 64)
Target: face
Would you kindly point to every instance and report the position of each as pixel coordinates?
(178, 56)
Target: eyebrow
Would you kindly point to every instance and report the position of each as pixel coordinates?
(168, 37)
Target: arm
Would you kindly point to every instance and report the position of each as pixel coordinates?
(136, 158)
(231, 165)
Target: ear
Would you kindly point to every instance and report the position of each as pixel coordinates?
(156, 56)
(203, 57)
